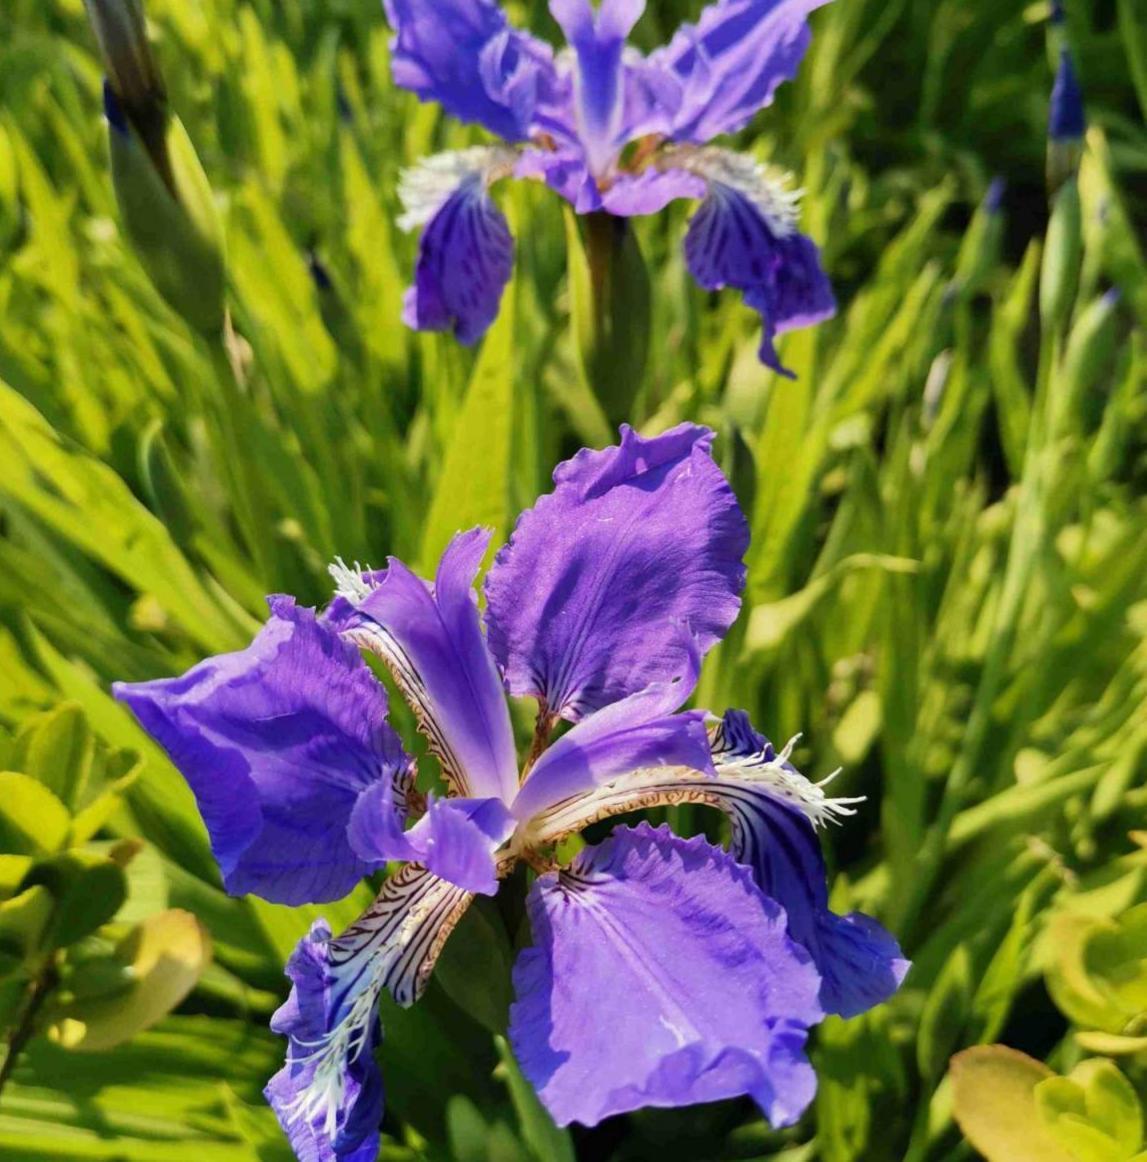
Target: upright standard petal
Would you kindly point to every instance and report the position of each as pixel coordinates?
(597, 36)
(641, 731)
(277, 743)
(744, 236)
(660, 975)
(466, 252)
(731, 61)
(464, 55)
(586, 603)
(328, 1095)
(431, 640)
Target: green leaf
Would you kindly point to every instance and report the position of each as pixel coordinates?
(473, 486)
(993, 1100)
(474, 967)
(23, 922)
(32, 820)
(57, 749)
(166, 955)
(546, 1141)
(87, 890)
(945, 1013)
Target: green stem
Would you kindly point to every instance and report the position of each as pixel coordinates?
(25, 1027)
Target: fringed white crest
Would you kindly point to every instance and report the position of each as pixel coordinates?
(353, 584)
(425, 188)
(769, 190)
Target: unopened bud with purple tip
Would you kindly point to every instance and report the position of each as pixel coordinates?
(165, 200)
(980, 250)
(1067, 123)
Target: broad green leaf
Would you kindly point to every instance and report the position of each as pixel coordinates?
(945, 1014)
(166, 955)
(87, 891)
(474, 967)
(473, 485)
(24, 920)
(546, 1141)
(57, 749)
(993, 1100)
(32, 820)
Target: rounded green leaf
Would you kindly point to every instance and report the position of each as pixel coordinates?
(993, 1100)
(165, 955)
(87, 890)
(32, 820)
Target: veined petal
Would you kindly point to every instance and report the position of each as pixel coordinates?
(744, 235)
(639, 732)
(586, 602)
(464, 55)
(277, 743)
(597, 36)
(431, 640)
(731, 61)
(466, 252)
(455, 838)
(328, 1095)
(649, 192)
(660, 975)
(774, 811)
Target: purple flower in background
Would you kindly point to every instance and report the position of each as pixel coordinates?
(663, 971)
(610, 130)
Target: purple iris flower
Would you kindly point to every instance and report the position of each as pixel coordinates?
(610, 130)
(663, 971)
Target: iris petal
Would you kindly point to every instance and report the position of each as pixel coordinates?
(743, 236)
(586, 602)
(465, 253)
(641, 731)
(597, 36)
(466, 56)
(455, 839)
(731, 62)
(660, 975)
(277, 743)
(328, 1095)
(431, 639)
(774, 811)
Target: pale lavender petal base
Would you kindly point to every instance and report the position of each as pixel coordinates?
(661, 976)
(587, 602)
(639, 732)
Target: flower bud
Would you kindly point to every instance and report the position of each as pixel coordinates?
(980, 250)
(164, 198)
(132, 73)
(169, 216)
(610, 308)
(1061, 257)
(1066, 124)
(1090, 346)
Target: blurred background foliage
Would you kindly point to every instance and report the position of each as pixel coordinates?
(948, 576)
